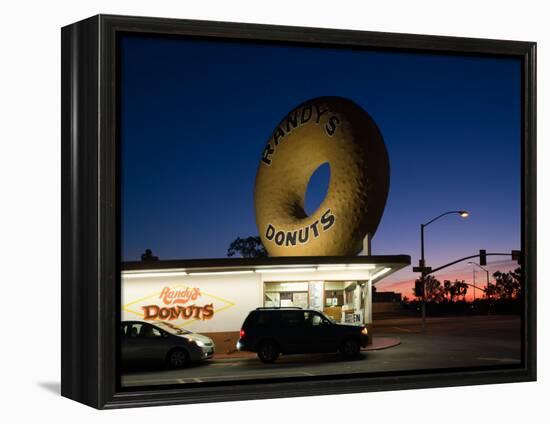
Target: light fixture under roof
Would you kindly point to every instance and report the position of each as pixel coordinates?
(321, 268)
(221, 272)
(343, 267)
(361, 266)
(380, 273)
(153, 274)
(284, 270)
(331, 267)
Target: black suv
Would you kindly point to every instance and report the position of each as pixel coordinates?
(272, 331)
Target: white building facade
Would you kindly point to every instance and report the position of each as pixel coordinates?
(214, 297)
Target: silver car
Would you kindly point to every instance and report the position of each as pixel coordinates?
(162, 341)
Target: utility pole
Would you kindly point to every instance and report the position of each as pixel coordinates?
(424, 271)
(482, 252)
(422, 268)
(473, 303)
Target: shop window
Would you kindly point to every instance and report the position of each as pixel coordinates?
(286, 294)
(334, 298)
(286, 299)
(300, 299)
(272, 299)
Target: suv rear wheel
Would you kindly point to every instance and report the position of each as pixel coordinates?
(350, 348)
(268, 352)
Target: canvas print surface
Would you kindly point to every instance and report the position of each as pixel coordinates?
(292, 211)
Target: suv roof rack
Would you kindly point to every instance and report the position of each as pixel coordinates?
(277, 307)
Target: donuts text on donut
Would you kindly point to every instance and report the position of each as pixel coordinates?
(300, 235)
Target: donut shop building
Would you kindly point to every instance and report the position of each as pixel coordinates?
(214, 296)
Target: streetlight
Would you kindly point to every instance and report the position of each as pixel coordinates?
(486, 272)
(484, 269)
(422, 262)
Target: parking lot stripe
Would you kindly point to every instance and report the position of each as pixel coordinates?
(406, 330)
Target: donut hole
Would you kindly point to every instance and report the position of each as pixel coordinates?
(317, 188)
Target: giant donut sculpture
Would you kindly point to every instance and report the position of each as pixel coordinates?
(331, 130)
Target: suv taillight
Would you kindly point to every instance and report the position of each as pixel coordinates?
(241, 333)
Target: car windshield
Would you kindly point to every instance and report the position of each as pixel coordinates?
(171, 328)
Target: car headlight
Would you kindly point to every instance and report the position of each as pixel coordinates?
(199, 343)
(365, 331)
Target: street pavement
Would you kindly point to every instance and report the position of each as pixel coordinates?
(448, 342)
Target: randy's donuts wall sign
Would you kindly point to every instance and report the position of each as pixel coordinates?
(331, 130)
(177, 306)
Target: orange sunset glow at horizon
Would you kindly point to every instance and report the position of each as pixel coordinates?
(403, 281)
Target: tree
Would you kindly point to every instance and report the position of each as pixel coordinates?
(491, 291)
(433, 289)
(508, 284)
(148, 256)
(461, 288)
(518, 275)
(449, 290)
(455, 289)
(250, 247)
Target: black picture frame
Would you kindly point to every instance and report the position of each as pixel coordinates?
(90, 211)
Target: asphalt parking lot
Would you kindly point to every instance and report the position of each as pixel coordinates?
(448, 342)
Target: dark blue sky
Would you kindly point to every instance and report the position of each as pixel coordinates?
(197, 114)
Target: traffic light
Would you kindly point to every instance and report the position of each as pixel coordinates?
(418, 288)
(483, 257)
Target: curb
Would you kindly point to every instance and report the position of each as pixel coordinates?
(381, 343)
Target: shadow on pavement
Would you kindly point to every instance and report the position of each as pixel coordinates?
(307, 359)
